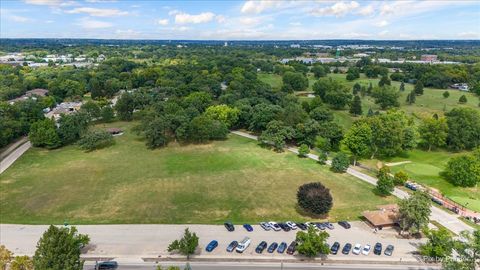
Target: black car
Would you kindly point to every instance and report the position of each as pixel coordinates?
(281, 248)
(377, 249)
(291, 249)
(284, 227)
(344, 224)
(272, 247)
(335, 247)
(106, 265)
(302, 226)
(346, 249)
(229, 226)
(231, 247)
(261, 247)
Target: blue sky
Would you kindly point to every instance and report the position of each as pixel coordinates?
(240, 20)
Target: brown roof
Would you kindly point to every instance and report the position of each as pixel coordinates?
(387, 215)
(38, 91)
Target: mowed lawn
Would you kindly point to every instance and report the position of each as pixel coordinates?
(232, 180)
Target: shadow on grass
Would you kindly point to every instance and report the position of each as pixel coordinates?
(304, 213)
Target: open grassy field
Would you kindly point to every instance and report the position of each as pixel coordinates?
(425, 168)
(233, 180)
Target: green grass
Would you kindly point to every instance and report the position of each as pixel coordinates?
(233, 180)
(425, 168)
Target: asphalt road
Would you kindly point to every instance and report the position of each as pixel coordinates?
(269, 266)
(10, 159)
(449, 220)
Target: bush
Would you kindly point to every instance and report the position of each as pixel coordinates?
(340, 162)
(96, 140)
(462, 99)
(446, 94)
(385, 182)
(303, 150)
(400, 178)
(314, 198)
(322, 157)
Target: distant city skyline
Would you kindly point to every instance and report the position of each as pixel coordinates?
(240, 20)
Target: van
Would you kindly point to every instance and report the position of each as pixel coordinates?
(243, 245)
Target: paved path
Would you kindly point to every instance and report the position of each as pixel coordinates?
(449, 220)
(14, 155)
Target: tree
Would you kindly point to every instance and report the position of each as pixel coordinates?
(321, 114)
(303, 150)
(433, 132)
(275, 134)
(340, 163)
(318, 71)
(96, 140)
(262, 114)
(59, 249)
(439, 243)
(356, 88)
(203, 128)
(198, 100)
(463, 128)
(384, 81)
(312, 242)
(356, 106)
(186, 245)
(294, 81)
(370, 88)
(411, 97)
(72, 127)
(386, 96)
(446, 94)
(125, 106)
(91, 109)
(400, 178)
(353, 73)
(6, 257)
(322, 158)
(414, 212)
(332, 92)
(467, 248)
(107, 114)
(385, 183)
(314, 198)
(462, 99)
(463, 170)
(43, 133)
(224, 114)
(402, 87)
(418, 88)
(358, 140)
(21, 263)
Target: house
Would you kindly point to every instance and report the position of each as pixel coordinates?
(31, 94)
(63, 108)
(429, 57)
(385, 216)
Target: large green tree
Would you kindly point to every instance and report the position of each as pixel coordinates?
(125, 106)
(468, 249)
(43, 133)
(294, 81)
(312, 242)
(385, 184)
(356, 106)
(186, 245)
(463, 128)
(223, 113)
(59, 248)
(276, 134)
(463, 170)
(358, 140)
(386, 97)
(433, 132)
(414, 212)
(439, 243)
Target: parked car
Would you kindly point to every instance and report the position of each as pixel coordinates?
(229, 226)
(109, 265)
(261, 247)
(377, 249)
(346, 249)
(274, 226)
(243, 245)
(437, 201)
(291, 248)
(320, 225)
(272, 247)
(231, 247)
(335, 247)
(311, 224)
(281, 248)
(212, 245)
(265, 226)
(248, 227)
(389, 250)
(344, 224)
(292, 225)
(329, 225)
(284, 227)
(356, 249)
(366, 249)
(302, 226)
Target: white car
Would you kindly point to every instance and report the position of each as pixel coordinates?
(292, 225)
(356, 249)
(265, 226)
(366, 249)
(274, 226)
(243, 245)
(310, 224)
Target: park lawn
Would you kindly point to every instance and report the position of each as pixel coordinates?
(425, 168)
(234, 179)
(276, 83)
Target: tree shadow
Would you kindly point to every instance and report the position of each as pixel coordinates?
(304, 213)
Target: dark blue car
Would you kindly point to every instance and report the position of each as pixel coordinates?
(211, 246)
(248, 227)
(282, 247)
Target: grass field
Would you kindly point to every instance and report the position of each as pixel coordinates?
(233, 180)
(425, 168)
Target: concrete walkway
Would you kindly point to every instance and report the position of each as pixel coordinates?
(11, 157)
(449, 220)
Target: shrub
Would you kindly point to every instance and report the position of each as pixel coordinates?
(446, 94)
(322, 157)
(340, 162)
(314, 198)
(400, 178)
(462, 99)
(96, 140)
(303, 150)
(385, 183)
(463, 170)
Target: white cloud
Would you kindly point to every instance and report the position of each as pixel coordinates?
(97, 12)
(19, 19)
(49, 21)
(249, 21)
(366, 11)
(44, 2)
(338, 9)
(173, 12)
(256, 7)
(382, 23)
(101, 1)
(88, 23)
(295, 23)
(163, 21)
(469, 35)
(383, 33)
(185, 18)
(221, 18)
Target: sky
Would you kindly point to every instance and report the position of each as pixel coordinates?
(240, 20)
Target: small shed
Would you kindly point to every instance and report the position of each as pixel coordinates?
(385, 216)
